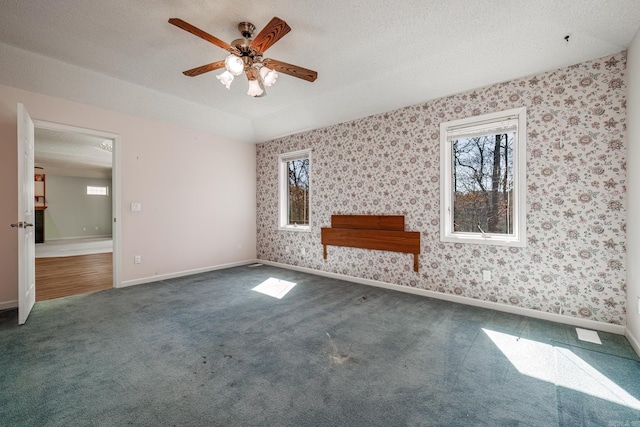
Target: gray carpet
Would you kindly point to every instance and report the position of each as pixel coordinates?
(206, 350)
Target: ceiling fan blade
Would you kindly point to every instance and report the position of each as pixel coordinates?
(274, 31)
(292, 70)
(204, 69)
(203, 35)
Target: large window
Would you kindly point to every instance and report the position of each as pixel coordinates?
(295, 190)
(483, 172)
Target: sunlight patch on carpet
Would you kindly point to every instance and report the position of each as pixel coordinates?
(588, 336)
(275, 288)
(559, 366)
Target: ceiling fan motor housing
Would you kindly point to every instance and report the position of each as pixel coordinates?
(246, 29)
(244, 44)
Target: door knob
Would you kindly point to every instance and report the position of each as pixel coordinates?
(21, 224)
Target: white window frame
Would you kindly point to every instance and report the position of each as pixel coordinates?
(283, 193)
(447, 233)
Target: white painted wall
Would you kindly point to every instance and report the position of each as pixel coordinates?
(633, 193)
(71, 212)
(198, 191)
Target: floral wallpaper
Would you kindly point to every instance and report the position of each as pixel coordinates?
(388, 164)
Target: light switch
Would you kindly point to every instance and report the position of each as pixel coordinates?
(136, 207)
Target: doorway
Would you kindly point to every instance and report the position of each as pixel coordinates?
(79, 234)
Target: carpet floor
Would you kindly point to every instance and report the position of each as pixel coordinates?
(234, 348)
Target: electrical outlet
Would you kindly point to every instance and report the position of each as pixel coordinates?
(638, 305)
(137, 259)
(239, 247)
(136, 207)
(486, 275)
(286, 249)
(304, 251)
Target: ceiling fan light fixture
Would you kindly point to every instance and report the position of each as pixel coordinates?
(225, 78)
(234, 64)
(254, 88)
(268, 76)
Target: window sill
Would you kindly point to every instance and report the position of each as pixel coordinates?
(302, 228)
(488, 240)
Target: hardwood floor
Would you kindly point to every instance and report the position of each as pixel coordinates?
(73, 275)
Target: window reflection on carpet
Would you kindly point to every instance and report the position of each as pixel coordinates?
(559, 366)
(273, 287)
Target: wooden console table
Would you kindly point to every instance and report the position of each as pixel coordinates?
(379, 232)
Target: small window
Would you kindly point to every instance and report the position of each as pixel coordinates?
(97, 191)
(483, 172)
(295, 190)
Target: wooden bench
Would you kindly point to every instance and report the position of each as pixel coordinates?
(379, 232)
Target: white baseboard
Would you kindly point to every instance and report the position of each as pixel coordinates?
(558, 318)
(97, 236)
(151, 279)
(5, 305)
(635, 342)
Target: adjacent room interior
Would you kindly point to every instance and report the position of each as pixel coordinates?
(361, 214)
(73, 200)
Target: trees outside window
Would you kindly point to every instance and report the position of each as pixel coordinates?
(483, 183)
(298, 191)
(295, 190)
(483, 179)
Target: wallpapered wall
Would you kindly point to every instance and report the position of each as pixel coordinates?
(388, 164)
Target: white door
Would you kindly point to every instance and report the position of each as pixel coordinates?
(26, 217)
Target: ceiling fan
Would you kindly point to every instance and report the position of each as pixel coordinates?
(246, 56)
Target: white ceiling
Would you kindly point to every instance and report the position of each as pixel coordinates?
(71, 154)
(371, 55)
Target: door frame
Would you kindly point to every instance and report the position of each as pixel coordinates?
(115, 183)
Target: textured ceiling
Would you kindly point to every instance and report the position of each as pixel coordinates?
(371, 56)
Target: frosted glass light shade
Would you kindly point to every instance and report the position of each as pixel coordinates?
(268, 75)
(254, 88)
(225, 78)
(234, 65)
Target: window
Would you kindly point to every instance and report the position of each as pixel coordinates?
(295, 190)
(97, 191)
(482, 185)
